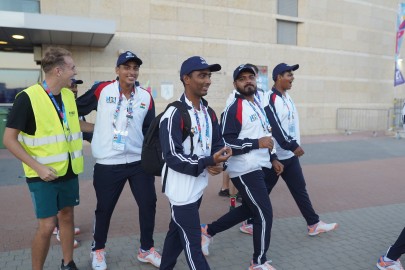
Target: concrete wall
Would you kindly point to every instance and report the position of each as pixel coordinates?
(345, 48)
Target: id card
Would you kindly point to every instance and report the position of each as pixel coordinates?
(291, 129)
(119, 141)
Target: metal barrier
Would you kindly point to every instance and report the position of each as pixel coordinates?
(396, 116)
(350, 119)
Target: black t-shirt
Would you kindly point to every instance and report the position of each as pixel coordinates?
(21, 117)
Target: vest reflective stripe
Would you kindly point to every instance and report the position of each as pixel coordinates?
(29, 141)
(58, 158)
(41, 141)
(52, 159)
(76, 154)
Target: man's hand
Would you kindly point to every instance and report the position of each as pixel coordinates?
(10, 140)
(278, 167)
(266, 142)
(46, 173)
(299, 151)
(222, 155)
(216, 169)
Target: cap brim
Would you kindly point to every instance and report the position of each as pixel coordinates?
(214, 67)
(295, 67)
(77, 81)
(137, 60)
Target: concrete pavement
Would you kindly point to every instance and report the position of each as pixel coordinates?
(354, 180)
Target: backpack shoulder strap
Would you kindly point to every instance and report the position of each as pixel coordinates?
(212, 114)
(186, 121)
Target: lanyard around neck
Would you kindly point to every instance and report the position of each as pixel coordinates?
(129, 109)
(61, 112)
(207, 127)
(290, 111)
(264, 122)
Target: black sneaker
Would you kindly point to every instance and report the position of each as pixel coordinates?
(70, 266)
(224, 192)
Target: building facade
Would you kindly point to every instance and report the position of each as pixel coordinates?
(345, 48)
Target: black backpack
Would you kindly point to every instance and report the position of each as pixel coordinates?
(151, 156)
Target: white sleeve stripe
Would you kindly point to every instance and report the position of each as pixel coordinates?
(171, 143)
(226, 113)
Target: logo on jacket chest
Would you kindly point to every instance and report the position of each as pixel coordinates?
(253, 117)
(111, 99)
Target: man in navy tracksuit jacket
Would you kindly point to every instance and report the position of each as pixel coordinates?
(247, 131)
(187, 172)
(124, 113)
(284, 120)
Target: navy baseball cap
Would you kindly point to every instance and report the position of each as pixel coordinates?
(242, 68)
(74, 81)
(128, 56)
(282, 67)
(196, 63)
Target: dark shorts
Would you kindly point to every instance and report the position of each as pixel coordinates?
(50, 197)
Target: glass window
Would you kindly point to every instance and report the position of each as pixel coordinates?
(287, 32)
(12, 81)
(288, 7)
(31, 6)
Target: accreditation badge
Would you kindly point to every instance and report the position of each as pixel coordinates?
(119, 140)
(291, 129)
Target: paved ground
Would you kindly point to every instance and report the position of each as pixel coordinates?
(354, 180)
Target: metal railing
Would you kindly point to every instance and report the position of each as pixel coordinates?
(351, 119)
(396, 114)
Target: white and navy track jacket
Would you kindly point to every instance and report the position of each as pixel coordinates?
(285, 123)
(187, 176)
(242, 129)
(104, 97)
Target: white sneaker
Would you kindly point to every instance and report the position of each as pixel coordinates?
(205, 240)
(264, 266)
(98, 260)
(321, 227)
(150, 256)
(246, 228)
(384, 263)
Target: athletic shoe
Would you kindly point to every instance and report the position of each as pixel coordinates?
(70, 266)
(206, 240)
(321, 227)
(223, 192)
(246, 228)
(98, 260)
(384, 263)
(264, 266)
(75, 242)
(150, 256)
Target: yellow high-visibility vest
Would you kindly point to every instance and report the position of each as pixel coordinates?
(52, 144)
